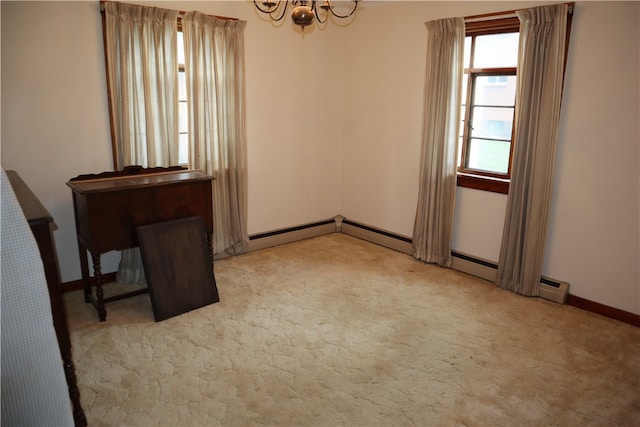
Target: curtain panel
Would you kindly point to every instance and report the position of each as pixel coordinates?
(438, 162)
(214, 69)
(541, 59)
(142, 80)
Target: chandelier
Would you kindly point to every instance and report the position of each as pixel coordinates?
(306, 11)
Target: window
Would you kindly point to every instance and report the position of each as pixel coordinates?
(488, 104)
(183, 116)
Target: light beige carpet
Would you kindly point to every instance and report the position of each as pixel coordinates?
(336, 331)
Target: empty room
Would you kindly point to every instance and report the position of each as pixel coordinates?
(405, 212)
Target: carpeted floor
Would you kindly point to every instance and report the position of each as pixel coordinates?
(336, 331)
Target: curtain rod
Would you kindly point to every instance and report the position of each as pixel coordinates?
(507, 13)
(180, 12)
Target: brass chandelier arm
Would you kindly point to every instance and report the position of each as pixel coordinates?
(337, 15)
(327, 6)
(275, 9)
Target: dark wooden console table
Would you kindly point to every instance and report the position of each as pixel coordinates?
(109, 207)
(40, 222)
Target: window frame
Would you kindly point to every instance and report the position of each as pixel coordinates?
(466, 136)
(466, 177)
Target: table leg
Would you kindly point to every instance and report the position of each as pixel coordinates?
(44, 238)
(84, 268)
(79, 417)
(97, 273)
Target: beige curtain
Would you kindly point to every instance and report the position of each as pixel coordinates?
(142, 78)
(541, 61)
(141, 49)
(438, 163)
(214, 69)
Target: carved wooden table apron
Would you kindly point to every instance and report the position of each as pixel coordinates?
(109, 210)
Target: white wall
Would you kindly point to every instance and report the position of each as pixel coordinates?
(334, 125)
(55, 124)
(594, 237)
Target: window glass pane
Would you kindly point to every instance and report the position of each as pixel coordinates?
(465, 84)
(180, 48)
(492, 122)
(183, 125)
(495, 90)
(496, 50)
(183, 155)
(488, 155)
(467, 52)
(182, 86)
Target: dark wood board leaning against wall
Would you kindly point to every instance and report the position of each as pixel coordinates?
(178, 267)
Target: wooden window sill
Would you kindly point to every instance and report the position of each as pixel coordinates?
(495, 185)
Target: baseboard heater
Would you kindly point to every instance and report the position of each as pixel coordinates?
(375, 235)
(550, 289)
(290, 234)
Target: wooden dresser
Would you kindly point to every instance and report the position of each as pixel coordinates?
(40, 222)
(109, 207)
